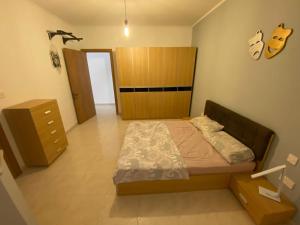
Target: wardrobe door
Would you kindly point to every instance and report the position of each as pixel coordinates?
(132, 67)
(172, 66)
(185, 64)
(182, 104)
(128, 105)
(140, 67)
(156, 67)
(124, 66)
(142, 106)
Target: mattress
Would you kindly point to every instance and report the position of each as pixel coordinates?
(199, 156)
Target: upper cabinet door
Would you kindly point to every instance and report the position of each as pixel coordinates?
(172, 66)
(124, 66)
(132, 66)
(156, 66)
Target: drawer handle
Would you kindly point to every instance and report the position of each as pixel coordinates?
(243, 198)
(50, 122)
(53, 132)
(56, 141)
(59, 150)
(47, 112)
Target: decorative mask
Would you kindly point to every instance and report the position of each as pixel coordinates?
(278, 41)
(256, 45)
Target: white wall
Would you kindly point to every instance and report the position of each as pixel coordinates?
(140, 36)
(26, 69)
(101, 77)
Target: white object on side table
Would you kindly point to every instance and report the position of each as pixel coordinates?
(275, 195)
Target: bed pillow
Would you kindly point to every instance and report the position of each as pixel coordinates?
(206, 125)
(230, 148)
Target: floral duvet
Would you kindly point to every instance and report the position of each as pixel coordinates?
(149, 153)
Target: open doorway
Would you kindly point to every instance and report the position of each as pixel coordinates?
(101, 70)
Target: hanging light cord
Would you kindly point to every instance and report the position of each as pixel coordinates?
(125, 10)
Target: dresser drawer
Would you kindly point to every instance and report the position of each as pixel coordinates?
(55, 147)
(45, 111)
(49, 127)
(51, 134)
(44, 122)
(255, 211)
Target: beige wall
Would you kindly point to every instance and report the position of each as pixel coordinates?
(266, 91)
(26, 69)
(140, 36)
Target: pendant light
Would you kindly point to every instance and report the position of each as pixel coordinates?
(126, 28)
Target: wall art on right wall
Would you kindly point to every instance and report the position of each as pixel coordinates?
(278, 41)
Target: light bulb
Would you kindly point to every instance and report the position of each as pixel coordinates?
(126, 29)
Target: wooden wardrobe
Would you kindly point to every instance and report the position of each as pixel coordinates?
(155, 82)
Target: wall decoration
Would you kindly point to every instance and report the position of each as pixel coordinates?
(278, 41)
(66, 36)
(256, 45)
(55, 59)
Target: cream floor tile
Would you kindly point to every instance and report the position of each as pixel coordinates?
(217, 218)
(159, 205)
(162, 220)
(117, 221)
(77, 189)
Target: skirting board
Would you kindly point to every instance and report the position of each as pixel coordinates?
(195, 183)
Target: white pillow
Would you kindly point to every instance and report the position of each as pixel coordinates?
(230, 148)
(206, 124)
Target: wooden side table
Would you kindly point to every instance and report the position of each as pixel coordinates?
(263, 211)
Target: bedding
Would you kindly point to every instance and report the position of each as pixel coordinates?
(149, 153)
(199, 156)
(231, 149)
(206, 125)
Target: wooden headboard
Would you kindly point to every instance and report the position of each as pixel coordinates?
(250, 133)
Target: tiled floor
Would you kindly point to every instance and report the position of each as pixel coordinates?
(78, 190)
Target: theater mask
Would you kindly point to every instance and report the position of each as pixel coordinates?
(278, 41)
(256, 45)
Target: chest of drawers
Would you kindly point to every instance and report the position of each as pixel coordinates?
(38, 130)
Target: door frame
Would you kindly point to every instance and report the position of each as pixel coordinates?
(110, 51)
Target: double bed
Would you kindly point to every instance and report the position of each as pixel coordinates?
(174, 156)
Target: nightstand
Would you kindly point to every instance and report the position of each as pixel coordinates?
(263, 211)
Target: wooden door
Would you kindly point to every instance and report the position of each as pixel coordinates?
(80, 83)
(8, 155)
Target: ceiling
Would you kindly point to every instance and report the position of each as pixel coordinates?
(140, 12)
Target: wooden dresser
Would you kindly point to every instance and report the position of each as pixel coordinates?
(38, 130)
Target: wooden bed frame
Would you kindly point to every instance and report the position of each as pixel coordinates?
(254, 135)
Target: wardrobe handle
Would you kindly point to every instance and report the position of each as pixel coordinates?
(50, 122)
(53, 132)
(56, 141)
(242, 197)
(47, 112)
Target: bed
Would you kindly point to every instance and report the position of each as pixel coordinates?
(187, 162)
